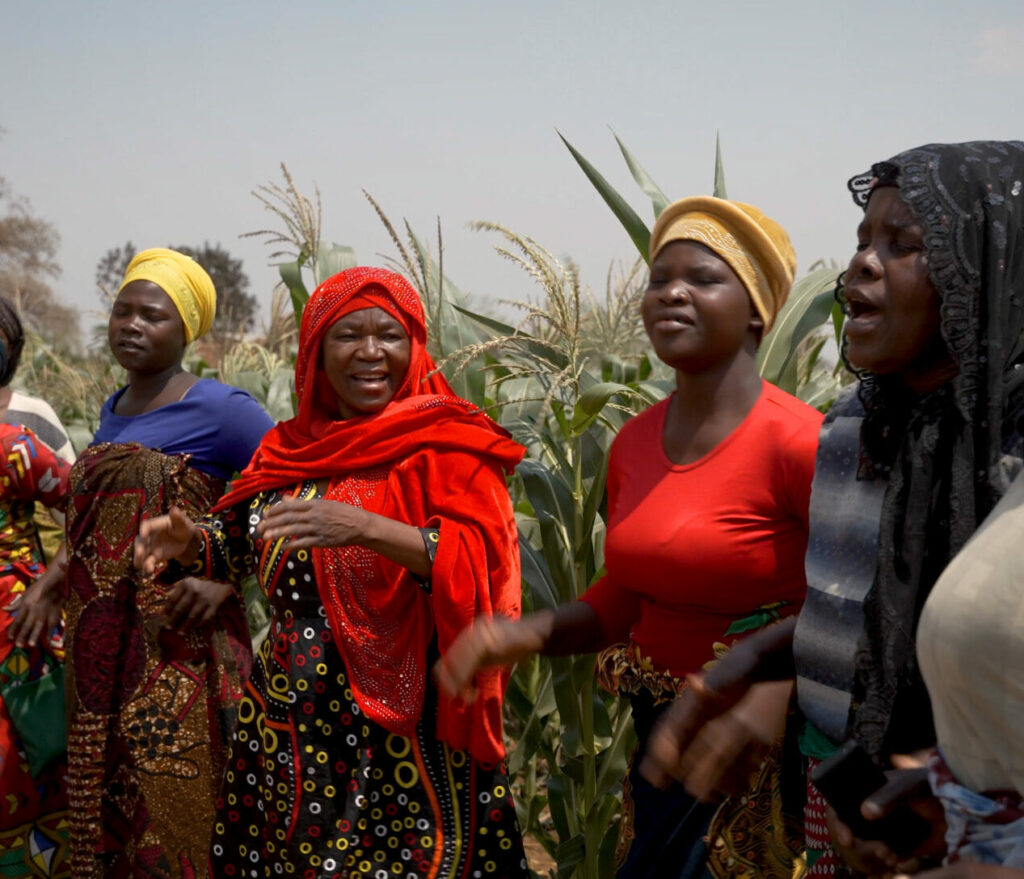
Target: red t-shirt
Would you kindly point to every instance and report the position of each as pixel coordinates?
(692, 548)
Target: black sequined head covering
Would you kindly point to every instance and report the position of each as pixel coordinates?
(949, 455)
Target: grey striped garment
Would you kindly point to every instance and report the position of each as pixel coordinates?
(38, 416)
(842, 555)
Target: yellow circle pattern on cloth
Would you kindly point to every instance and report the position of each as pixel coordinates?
(314, 788)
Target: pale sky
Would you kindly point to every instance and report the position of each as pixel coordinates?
(153, 122)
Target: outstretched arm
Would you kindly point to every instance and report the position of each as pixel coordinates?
(490, 641)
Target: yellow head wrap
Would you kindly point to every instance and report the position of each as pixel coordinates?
(756, 248)
(183, 280)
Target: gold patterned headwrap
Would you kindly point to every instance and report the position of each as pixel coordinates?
(183, 280)
(756, 248)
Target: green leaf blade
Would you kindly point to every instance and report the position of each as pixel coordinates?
(659, 201)
(291, 274)
(631, 222)
(809, 306)
(719, 191)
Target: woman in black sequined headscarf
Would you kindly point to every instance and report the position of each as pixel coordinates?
(949, 454)
(910, 460)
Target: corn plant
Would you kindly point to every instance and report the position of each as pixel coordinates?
(564, 402)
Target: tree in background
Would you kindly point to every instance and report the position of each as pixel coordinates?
(236, 306)
(110, 270)
(28, 265)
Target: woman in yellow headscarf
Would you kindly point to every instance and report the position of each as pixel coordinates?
(155, 667)
(707, 528)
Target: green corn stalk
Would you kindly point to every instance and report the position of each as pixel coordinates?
(570, 741)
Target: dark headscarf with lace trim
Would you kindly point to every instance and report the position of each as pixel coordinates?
(949, 455)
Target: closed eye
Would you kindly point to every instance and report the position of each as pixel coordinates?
(907, 246)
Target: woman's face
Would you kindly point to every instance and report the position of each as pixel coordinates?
(893, 320)
(145, 330)
(365, 356)
(696, 311)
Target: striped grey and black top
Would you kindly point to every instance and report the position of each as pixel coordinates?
(842, 555)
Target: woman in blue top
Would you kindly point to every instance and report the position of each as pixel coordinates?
(155, 668)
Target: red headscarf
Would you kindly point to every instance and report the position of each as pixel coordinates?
(428, 458)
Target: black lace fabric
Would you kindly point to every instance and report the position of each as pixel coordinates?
(948, 455)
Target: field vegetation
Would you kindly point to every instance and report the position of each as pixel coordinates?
(563, 378)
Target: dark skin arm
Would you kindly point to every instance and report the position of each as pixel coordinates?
(329, 523)
(489, 641)
(764, 656)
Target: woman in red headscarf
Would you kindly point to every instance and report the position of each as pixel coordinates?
(379, 524)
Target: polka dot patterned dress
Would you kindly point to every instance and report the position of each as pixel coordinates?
(313, 787)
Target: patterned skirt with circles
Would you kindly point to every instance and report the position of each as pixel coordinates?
(314, 788)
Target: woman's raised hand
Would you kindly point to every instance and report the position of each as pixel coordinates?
(314, 523)
(162, 538)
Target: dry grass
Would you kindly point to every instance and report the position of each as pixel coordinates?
(301, 216)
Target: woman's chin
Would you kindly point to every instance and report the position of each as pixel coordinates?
(350, 408)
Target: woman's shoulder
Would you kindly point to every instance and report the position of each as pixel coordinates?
(217, 391)
(644, 424)
(107, 413)
(785, 407)
(847, 404)
(38, 415)
(240, 403)
(10, 432)
(787, 428)
(111, 401)
(22, 402)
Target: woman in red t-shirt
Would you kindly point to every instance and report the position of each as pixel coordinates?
(707, 528)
